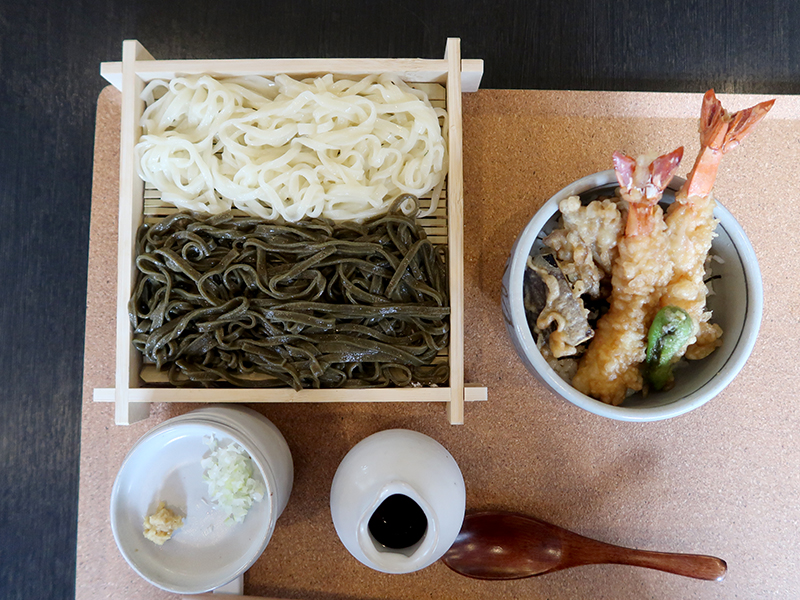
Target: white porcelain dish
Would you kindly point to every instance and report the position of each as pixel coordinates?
(737, 305)
(164, 465)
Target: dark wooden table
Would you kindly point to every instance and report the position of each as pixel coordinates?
(49, 82)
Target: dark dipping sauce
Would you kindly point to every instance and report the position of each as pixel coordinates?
(398, 522)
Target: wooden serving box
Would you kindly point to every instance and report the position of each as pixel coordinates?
(443, 80)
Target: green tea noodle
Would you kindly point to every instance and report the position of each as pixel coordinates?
(307, 305)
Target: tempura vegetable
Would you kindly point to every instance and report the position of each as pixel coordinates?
(561, 308)
(668, 334)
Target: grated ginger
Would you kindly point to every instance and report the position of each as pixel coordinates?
(160, 526)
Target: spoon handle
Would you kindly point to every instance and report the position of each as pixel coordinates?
(698, 566)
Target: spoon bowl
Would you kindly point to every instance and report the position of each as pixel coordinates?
(500, 545)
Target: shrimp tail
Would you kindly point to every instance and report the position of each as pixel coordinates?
(643, 185)
(720, 132)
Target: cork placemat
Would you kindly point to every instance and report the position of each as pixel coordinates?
(722, 480)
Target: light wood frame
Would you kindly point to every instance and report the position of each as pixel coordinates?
(132, 401)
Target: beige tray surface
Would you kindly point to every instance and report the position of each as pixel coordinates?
(722, 480)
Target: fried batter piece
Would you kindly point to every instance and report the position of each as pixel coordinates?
(586, 246)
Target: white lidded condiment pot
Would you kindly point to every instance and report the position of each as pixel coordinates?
(398, 501)
(164, 465)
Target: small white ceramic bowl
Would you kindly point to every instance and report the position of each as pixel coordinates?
(737, 304)
(164, 465)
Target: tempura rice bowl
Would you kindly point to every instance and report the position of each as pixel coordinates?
(736, 302)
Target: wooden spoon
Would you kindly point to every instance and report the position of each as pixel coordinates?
(499, 545)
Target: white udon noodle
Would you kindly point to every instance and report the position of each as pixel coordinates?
(292, 149)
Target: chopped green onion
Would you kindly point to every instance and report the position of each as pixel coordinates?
(229, 474)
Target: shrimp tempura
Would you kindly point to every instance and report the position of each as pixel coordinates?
(610, 366)
(691, 223)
